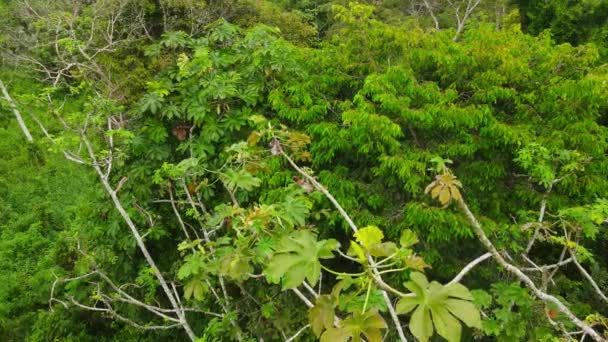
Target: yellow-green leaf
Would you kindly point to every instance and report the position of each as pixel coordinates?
(369, 236)
(446, 325)
(421, 325)
(465, 311)
(357, 251)
(407, 304)
(408, 238)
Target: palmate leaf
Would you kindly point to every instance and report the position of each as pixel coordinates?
(438, 308)
(369, 236)
(321, 315)
(445, 188)
(240, 179)
(297, 258)
(151, 102)
(408, 238)
(368, 324)
(195, 288)
(294, 210)
(174, 39)
(370, 240)
(193, 265)
(421, 325)
(335, 335)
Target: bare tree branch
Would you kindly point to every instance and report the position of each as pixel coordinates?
(588, 276)
(522, 276)
(432, 14)
(11, 103)
(462, 20)
(293, 338)
(469, 267)
(138, 238)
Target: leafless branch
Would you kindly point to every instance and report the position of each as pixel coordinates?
(545, 297)
(138, 238)
(588, 276)
(462, 20)
(11, 103)
(469, 267)
(431, 13)
(179, 217)
(293, 338)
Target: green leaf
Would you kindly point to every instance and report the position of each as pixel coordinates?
(195, 287)
(321, 315)
(407, 304)
(369, 236)
(294, 210)
(335, 335)
(151, 102)
(421, 325)
(447, 304)
(465, 311)
(357, 251)
(408, 238)
(446, 325)
(236, 267)
(356, 304)
(420, 279)
(240, 179)
(369, 324)
(193, 265)
(459, 291)
(343, 284)
(297, 257)
(383, 249)
(481, 298)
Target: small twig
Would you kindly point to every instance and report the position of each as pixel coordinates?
(588, 277)
(122, 182)
(179, 217)
(302, 297)
(310, 289)
(545, 267)
(293, 338)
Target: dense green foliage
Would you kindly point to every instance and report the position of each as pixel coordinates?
(575, 22)
(231, 142)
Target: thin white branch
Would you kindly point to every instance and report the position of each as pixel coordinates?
(545, 297)
(302, 297)
(461, 21)
(13, 106)
(431, 12)
(469, 267)
(138, 238)
(546, 267)
(179, 217)
(293, 338)
(588, 277)
(310, 290)
(541, 216)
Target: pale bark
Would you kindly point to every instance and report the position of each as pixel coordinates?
(545, 297)
(13, 106)
(139, 240)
